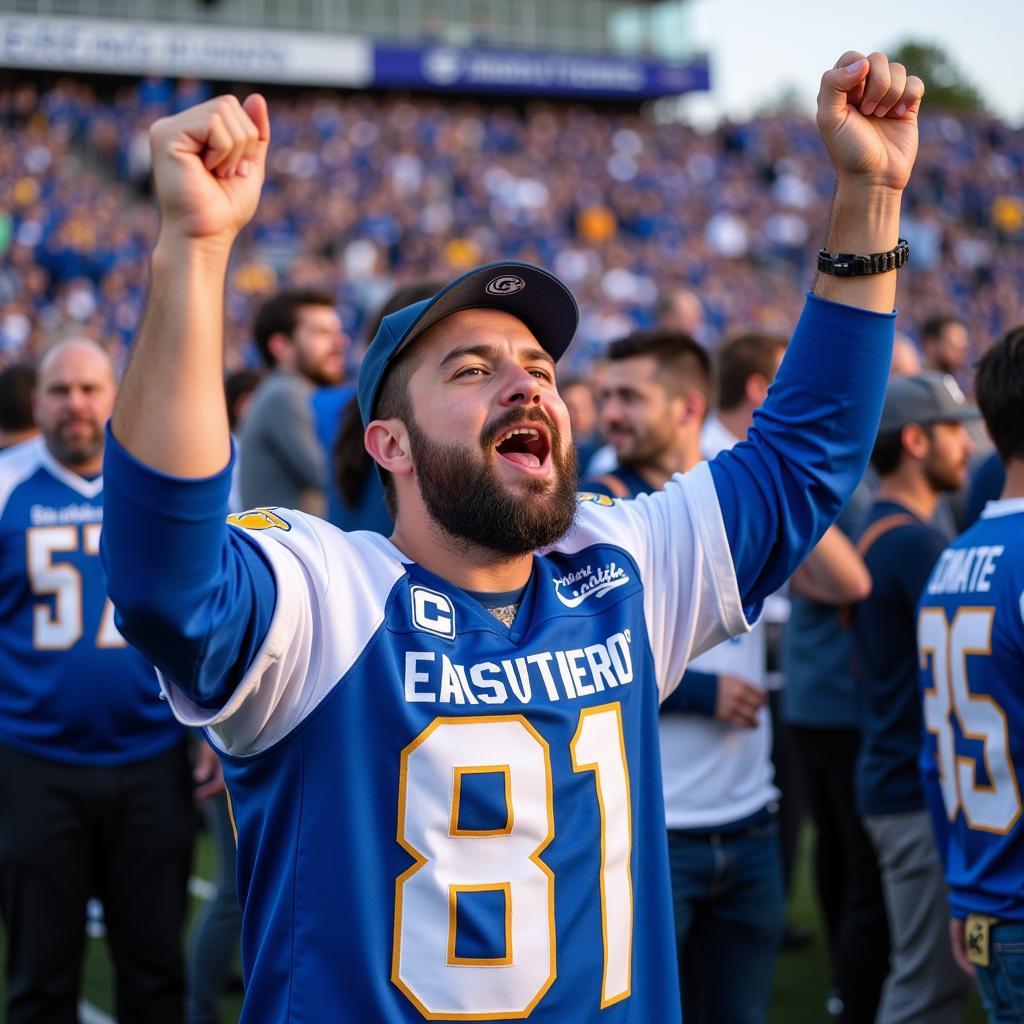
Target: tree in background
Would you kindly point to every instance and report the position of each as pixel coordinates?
(947, 88)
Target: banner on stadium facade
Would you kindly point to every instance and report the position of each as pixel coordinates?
(521, 71)
(159, 48)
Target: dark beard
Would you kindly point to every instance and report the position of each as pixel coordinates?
(314, 372)
(943, 481)
(465, 498)
(77, 453)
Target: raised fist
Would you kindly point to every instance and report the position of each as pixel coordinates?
(867, 116)
(208, 167)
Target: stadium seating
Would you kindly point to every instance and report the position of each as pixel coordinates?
(367, 191)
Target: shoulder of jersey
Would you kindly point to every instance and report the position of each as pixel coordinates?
(319, 543)
(18, 464)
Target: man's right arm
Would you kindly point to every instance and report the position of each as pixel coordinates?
(192, 594)
(809, 443)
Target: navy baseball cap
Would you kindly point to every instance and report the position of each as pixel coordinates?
(927, 397)
(529, 293)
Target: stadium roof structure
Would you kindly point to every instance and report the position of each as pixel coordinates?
(595, 48)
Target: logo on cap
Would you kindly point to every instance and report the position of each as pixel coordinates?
(954, 390)
(508, 284)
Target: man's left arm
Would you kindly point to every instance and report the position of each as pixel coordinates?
(833, 573)
(809, 444)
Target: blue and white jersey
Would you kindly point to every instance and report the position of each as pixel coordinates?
(466, 796)
(970, 633)
(440, 817)
(70, 688)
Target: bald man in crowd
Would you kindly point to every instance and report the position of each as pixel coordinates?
(95, 789)
(906, 360)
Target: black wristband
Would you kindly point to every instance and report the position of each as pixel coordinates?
(848, 264)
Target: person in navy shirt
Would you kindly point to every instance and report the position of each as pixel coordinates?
(450, 807)
(95, 791)
(921, 452)
(970, 638)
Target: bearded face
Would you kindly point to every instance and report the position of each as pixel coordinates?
(464, 495)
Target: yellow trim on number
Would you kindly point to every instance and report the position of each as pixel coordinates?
(419, 861)
(483, 769)
(453, 926)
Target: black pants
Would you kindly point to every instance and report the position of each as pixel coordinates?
(122, 834)
(846, 870)
(790, 786)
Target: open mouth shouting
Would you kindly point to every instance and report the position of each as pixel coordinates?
(527, 446)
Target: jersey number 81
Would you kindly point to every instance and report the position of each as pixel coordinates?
(506, 861)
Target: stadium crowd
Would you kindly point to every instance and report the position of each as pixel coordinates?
(366, 192)
(656, 228)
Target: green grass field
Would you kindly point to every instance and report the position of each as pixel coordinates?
(801, 979)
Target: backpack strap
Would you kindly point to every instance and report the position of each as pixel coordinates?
(878, 529)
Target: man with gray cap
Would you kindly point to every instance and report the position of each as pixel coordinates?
(442, 747)
(920, 453)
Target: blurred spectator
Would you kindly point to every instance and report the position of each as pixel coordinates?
(906, 360)
(680, 309)
(656, 394)
(579, 399)
(945, 344)
(921, 451)
(17, 423)
(820, 710)
(946, 347)
(720, 802)
(239, 388)
(281, 462)
(357, 497)
(987, 483)
(747, 365)
(95, 788)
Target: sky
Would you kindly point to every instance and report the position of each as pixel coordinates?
(759, 47)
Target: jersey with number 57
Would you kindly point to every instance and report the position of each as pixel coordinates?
(971, 643)
(71, 689)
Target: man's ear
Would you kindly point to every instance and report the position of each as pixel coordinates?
(756, 389)
(694, 407)
(915, 440)
(281, 349)
(387, 441)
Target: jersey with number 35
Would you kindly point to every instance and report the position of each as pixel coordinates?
(971, 644)
(444, 818)
(71, 689)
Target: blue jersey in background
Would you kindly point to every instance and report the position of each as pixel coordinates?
(70, 688)
(970, 634)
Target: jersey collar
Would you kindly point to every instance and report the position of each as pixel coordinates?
(86, 488)
(1003, 507)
